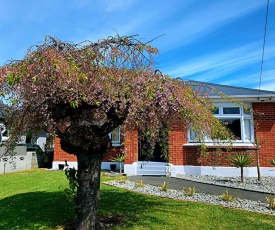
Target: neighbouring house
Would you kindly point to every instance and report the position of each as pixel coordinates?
(185, 156)
(22, 158)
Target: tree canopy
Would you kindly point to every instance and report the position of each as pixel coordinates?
(82, 92)
(63, 87)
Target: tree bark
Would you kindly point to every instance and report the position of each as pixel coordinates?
(242, 174)
(87, 201)
(258, 164)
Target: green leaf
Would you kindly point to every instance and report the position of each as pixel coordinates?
(12, 79)
(74, 104)
(34, 79)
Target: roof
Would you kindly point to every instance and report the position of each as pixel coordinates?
(231, 91)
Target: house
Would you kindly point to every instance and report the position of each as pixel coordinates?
(185, 156)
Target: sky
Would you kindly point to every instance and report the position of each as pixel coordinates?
(216, 41)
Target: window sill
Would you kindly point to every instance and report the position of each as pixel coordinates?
(116, 145)
(235, 145)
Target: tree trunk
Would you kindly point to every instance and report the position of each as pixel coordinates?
(242, 174)
(87, 202)
(258, 164)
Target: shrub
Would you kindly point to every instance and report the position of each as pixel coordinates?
(271, 201)
(227, 197)
(71, 192)
(189, 191)
(164, 187)
(241, 160)
(123, 179)
(272, 161)
(119, 158)
(139, 184)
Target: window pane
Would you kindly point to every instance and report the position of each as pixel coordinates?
(247, 129)
(231, 110)
(116, 136)
(216, 110)
(234, 125)
(193, 136)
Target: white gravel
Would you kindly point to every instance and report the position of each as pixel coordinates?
(267, 185)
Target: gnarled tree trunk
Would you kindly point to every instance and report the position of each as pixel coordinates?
(90, 147)
(87, 202)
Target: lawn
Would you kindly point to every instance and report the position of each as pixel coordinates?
(35, 200)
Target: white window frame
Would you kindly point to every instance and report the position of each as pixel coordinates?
(242, 116)
(111, 135)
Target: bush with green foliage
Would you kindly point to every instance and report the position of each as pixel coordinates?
(139, 184)
(119, 158)
(227, 197)
(271, 202)
(272, 161)
(190, 191)
(164, 187)
(71, 192)
(123, 179)
(241, 160)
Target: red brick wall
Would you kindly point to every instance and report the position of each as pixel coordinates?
(131, 146)
(61, 155)
(177, 136)
(212, 156)
(264, 127)
(264, 120)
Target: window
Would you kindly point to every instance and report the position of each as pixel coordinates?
(235, 119)
(115, 137)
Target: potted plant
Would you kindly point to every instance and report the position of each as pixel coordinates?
(113, 167)
(119, 158)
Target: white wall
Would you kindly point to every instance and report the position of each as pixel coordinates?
(219, 171)
(104, 165)
(21, 160)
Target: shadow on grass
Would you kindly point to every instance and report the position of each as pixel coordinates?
(132, 206)
(47, 210)
(35, 210)
(124, 210)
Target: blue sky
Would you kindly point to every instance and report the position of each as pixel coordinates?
(218, 41)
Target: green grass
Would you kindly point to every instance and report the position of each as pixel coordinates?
(35, 200)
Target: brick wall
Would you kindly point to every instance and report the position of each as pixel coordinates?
(177, 136)
(61, 155)
(131, 146)
(213, 156)
(264, 125)
(129, 140)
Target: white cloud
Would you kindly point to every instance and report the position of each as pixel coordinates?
(114, 5)
(224, 58)
(205, 20)
(227, 66)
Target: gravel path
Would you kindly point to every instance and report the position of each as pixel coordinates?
(266, 185)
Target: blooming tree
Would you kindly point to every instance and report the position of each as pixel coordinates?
(82, 92)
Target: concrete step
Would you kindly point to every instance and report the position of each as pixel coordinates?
(151, 168)
(151, 173)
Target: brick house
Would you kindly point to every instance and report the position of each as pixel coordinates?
(184, 154)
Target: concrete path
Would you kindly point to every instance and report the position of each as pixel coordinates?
(178, 184)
